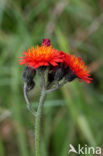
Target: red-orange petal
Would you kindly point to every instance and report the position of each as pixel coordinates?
(77, 65)
(41, 56)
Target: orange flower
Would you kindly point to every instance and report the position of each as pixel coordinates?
(77, 66)
(41, 56)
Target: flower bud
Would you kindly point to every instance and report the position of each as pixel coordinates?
(30, 85)
(51, 77)
(46, 42)
(70, 76)
(28, 74)
(59, 73)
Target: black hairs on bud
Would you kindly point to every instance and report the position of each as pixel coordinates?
(51, 77)
(59, 73)
(30, 85)
(56, 75)
(70, 76)
(28, 74)
(41, 68)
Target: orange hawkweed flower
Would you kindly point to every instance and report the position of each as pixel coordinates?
(62, 65)
(77, 66)
(43, 55)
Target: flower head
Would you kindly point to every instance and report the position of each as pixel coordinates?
(62, 65)
(43, 55)
(77, 67)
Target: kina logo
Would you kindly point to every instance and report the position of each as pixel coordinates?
(84, 150)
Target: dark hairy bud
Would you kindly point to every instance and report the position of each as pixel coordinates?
(59, 73)
(28, 74)
(56, 75)
(51, 77)
(41, 68)
(30, 85)
(70, 76)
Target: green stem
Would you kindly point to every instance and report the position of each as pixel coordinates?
(38, 122)
(57, 87)
(40, 109)
(29, 106)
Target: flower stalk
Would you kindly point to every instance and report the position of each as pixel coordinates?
(29, 107)
(38, 122)
(39, 115)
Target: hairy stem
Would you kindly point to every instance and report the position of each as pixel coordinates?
(29, 107)
(39, 115)
(57, 87)
(38, 123)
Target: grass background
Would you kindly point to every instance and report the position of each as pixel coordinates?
(73, 114)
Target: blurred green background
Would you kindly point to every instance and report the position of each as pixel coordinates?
(73, 114)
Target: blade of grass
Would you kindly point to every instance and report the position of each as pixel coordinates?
(1, 148)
